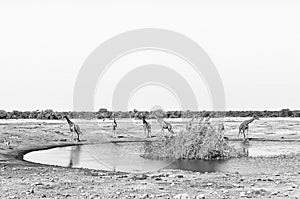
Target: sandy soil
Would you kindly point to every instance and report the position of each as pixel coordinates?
(279, 177)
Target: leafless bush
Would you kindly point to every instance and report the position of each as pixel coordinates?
(201, 141)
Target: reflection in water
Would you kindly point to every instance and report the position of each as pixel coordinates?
(245, 147)
(75, 156)
(197, 165)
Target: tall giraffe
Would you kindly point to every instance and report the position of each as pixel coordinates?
(114, 126)
(147, 127)
(164, 124)
(189, 124)
(245, 126)
(73, 128)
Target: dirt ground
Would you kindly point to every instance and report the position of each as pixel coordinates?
(279, 177)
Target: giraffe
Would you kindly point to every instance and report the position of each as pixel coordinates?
(114, 126)
(164, 124)
(7, 143)
(221, 127)
(245, 126)
(74, 128)
(190, 123)
(147, 127)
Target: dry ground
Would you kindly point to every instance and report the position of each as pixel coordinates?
(20, 179)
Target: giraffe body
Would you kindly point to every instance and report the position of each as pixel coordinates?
(114, 127)
(74, 128)
(244, 126)
(147, 128)
(7, 143)
(189, 125)
(164, 125)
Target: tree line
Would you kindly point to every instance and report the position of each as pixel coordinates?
(103, 113)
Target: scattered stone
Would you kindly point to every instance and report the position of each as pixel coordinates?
(295, 186)
(243, 194)
(31, 191)
(144, 196)
(79, 188)
(179, 176)
(182, 196)
(274, 193)
(258, 191)
(140, 177)
(200, 196)
(37, 184)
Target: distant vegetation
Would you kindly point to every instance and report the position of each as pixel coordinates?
(104, 113)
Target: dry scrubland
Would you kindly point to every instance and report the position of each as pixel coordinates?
(277, 178)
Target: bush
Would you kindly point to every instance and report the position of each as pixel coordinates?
(3, 114)
(202, 141)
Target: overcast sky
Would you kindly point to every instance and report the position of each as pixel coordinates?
(255, 46)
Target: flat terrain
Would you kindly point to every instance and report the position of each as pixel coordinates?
(276, 177)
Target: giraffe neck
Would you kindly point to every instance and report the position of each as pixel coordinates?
(249, 121)
(69, 121)
(144, 121)
(161, 121)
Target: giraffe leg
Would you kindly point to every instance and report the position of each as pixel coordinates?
(77, 133)
(115, 136)
(245, 138)
(145, 131)
(162, 130)
(248, 134)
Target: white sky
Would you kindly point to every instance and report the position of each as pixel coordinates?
(255, 46)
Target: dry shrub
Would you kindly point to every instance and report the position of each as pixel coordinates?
(201, 141)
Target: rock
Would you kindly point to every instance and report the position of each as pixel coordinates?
(182, 196)
(31, 191)
(209, 184)
(200, 196)
(140, 177)
(274, 193)
(79, 188)
(37, 184)
(243, 194)
(258, 191)
(294, 186)
(179, 176)
(144, 196)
